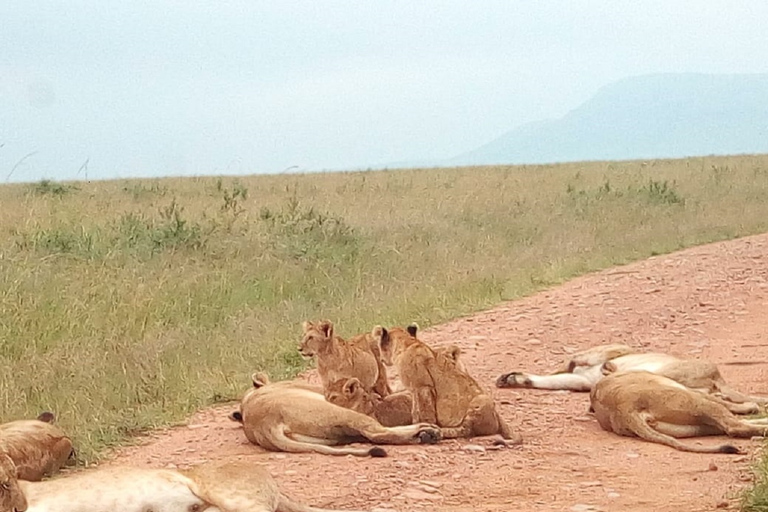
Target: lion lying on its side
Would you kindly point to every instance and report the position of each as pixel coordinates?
(585, 369)
(295, 418)
(660, 410)
(37, 447)
(442, 392)
(235, 486)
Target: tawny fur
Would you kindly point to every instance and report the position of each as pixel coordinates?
(338, 358)
(442, 392)
(37, 448)
(236, 486)
(391, 411)
(291, 419)
(584, 369)
(660, 410)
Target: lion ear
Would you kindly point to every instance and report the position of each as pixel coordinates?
(453, 351)
(381, 336)
(259, 379)
(306, 325)
(350, 387)
(326, 327)
(413, 329)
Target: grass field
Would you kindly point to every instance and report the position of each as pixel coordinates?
(126, 305)
(756, 497)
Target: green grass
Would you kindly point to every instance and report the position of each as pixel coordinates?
(126, 305)
(755, 498)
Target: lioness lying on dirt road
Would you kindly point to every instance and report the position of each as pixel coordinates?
(338, 359)
(37, 447)
(659, 409)
(442, 392)
(290, 418)
(584, 369)
(221, 487)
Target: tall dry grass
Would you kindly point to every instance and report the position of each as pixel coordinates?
(125, 305)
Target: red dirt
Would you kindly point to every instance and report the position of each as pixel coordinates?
(704, 302)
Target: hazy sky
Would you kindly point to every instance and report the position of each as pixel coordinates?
(188, 87)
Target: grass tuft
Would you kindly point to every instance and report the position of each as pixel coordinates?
(755, 498)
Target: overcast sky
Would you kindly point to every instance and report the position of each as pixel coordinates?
(188, 87)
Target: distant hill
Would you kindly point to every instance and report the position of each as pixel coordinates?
(651, 116)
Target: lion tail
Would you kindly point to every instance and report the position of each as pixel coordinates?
(283, 442)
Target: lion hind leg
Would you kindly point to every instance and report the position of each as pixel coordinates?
(716, 414)
(742, 408)
(732, 395)
(734, 407)
(736, 427)
(683, 431)
(639, 425)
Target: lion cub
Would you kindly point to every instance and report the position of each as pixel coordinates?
(394, 409)
(660, 410)
(37, 447)
(358, 357)
(443, 393)
(391, 411)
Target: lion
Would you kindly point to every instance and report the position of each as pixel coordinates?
(395, 409)
(261, 379)
(291, 419)
(337, 358)
(660, 410)
(37, 447)
(235, 486)
(584, 369)
(443, 394)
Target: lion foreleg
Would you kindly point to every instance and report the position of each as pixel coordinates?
(424, 405)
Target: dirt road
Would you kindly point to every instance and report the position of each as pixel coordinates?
(709, 302)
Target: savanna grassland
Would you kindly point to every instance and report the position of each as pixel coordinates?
(127, 304)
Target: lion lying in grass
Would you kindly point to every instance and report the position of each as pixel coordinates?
(660, 410)
(585, 369)
(337, 358)
(292, 418)
(37, 447)
(215, 487)
(442, 392)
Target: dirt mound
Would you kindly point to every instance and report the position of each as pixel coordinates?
(705, 302)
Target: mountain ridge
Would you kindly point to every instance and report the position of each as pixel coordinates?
(665, 115)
